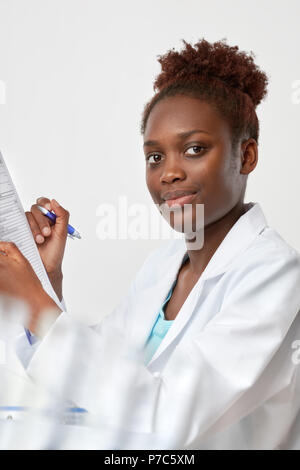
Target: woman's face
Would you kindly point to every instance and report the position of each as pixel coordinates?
(187, 146)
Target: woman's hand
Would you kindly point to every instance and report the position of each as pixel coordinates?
(50, 238)
(18, 280)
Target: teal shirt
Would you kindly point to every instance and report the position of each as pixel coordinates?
(160, 327)
(159, 331)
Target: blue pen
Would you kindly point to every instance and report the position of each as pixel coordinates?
(71, 230)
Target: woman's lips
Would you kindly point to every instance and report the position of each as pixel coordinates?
(180, 201)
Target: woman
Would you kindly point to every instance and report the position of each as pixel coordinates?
(214, 325)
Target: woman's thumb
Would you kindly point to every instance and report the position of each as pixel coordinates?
(62, 218)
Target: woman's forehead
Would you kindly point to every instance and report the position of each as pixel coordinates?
(179, 114)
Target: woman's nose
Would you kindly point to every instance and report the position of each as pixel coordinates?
(172, 171)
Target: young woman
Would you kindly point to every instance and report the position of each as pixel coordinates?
(215, 326)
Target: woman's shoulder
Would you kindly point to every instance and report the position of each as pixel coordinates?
(269, 256)
(270, 245)
(263, 282)
(274, 240)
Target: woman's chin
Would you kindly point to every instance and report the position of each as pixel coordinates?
(184, 219)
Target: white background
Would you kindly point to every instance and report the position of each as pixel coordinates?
(77, 74)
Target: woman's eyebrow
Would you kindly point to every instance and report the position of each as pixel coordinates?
(183, 135)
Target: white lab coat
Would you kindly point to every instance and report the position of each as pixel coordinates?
(224, 376)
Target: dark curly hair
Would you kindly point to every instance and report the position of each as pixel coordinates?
(220, 74)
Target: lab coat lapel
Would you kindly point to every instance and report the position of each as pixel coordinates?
(239, 237)
(182, 318)
(148, 301)
(244, 231)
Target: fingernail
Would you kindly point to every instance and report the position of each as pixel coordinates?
(46, 231)
(47, 206)
(39, 238)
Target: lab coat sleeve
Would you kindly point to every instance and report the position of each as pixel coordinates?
(24, 349)
(118, 316)
(210, 382)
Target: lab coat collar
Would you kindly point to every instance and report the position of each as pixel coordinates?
(239, 237)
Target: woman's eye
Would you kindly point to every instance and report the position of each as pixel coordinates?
(153, 155)
(196, 148)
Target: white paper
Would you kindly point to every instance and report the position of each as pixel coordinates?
(14, 227)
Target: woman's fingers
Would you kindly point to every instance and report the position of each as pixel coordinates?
(35, 229)
(41, 226)
(42, 222)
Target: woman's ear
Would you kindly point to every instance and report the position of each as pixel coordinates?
(249, 156)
